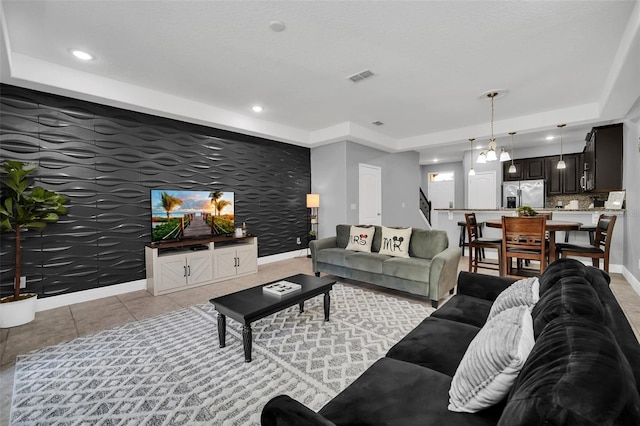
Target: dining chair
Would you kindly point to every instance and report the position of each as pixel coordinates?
(600, 249)
(546, 215)
(477, 244)
(523, 238)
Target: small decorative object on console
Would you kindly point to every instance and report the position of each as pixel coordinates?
(281, 288)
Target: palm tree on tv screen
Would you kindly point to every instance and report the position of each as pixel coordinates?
(221, 204)
(215, 196)
(169, 202)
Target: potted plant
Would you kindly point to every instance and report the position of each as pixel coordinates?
(526, 211)
(23, 207)
(312, 235)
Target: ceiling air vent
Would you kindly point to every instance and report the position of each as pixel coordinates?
(377, 123)
(361, 76)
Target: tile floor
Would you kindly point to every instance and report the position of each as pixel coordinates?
(63, 324)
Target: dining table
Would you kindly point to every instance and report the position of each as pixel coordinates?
(552, 227)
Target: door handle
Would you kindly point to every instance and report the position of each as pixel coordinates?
(189, 269)
(185, 271)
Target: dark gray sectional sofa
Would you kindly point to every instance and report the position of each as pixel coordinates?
(584, 368)
(429, 271)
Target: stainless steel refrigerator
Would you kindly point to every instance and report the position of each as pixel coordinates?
(523, 193)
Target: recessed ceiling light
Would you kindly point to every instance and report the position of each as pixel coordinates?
(277, 26)
(82, 55)
(256, 108)
(435, 160)
(549, 138)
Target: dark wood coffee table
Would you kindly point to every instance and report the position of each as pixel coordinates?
(252, 304)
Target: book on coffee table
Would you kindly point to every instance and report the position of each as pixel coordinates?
(281, 288)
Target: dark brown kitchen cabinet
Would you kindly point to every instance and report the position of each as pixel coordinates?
(564, 181)
(518, 175)
(526, 169)
(534, 168)
(603, 159)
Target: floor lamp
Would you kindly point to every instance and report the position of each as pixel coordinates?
(313, 203)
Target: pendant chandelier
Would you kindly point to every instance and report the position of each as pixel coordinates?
(561, 165)
(471, 171)
(490, 155)
(512, 167)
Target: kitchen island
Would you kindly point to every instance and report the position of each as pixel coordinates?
(447, 220)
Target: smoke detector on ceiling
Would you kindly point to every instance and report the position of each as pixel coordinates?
(362, 75)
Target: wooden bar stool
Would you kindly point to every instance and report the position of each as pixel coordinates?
(477, 244)
(598, 249)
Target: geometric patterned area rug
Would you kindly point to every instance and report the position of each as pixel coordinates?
(170, 370)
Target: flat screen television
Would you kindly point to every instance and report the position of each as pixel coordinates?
(178, 214)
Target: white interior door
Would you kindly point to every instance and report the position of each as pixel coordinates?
(441, 190)
(370, 195)
(482, 191)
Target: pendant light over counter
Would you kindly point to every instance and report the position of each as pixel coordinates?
(561, 164)
(471, 171)
(512, 167)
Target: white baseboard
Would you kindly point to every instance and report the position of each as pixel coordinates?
(117, 289)
(88, 295)
(635, 284)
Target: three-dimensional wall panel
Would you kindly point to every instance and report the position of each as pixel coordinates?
(106, 160)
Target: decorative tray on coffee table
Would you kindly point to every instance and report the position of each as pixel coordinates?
(281, 288)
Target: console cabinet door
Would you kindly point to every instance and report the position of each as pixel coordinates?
(173, 273)
(247, 260)
(225, 262)
(199, 268)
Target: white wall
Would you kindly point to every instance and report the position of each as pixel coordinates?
(631, 176)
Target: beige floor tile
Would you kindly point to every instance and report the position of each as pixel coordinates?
(104, 318)
(134, 295)
(143, 308)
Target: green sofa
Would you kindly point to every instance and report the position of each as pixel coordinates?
(431, 270)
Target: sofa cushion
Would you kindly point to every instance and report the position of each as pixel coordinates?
(395, 241)
(559, 269)
(361, 238)
(426, 243)
(575, 375)
(492, 362)
(342, 235)
(393, 392)
(523, 292)
(466, 309)
(435, 343)
(570, 295)
(334, 256)
(413, 269)
(368, 262)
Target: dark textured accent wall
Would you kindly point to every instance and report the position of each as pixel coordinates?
(106, 160)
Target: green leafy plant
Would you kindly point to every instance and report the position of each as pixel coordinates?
(312, 235)
(23, 206)
(526, 211)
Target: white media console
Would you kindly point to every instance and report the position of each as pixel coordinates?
(180, 265)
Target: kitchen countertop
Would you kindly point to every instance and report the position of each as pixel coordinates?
(595, 209)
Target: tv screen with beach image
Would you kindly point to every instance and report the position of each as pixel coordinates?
(179, 214)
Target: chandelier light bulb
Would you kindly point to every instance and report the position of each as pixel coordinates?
(482, 158)
(512, 168)
(504, 156)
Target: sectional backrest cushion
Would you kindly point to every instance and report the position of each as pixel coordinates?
(342, 235)
(559, 269)
(576, 374)
(571, 296)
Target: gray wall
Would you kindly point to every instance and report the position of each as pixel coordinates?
(334, 170)
(460, 180)
(329, 177)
